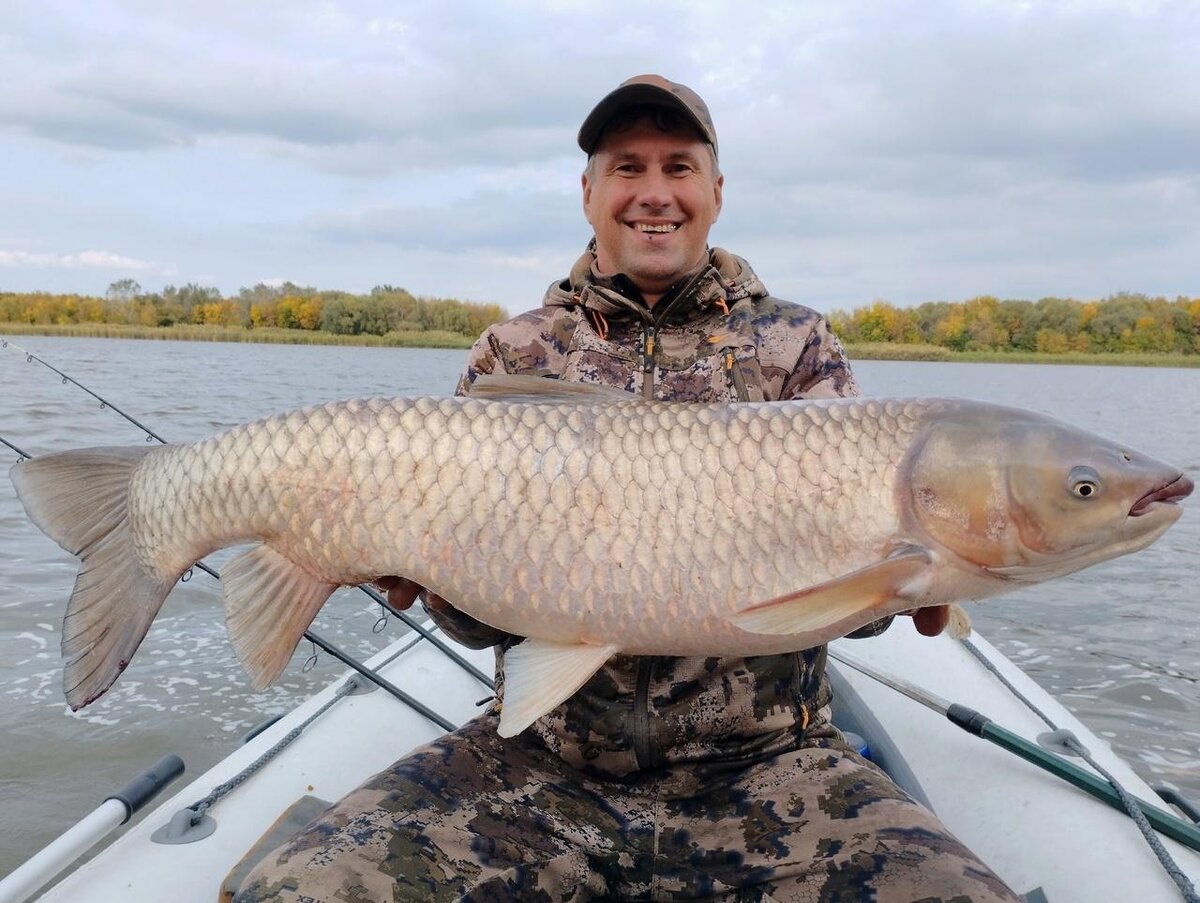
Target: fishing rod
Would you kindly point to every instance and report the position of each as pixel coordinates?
(30, 357)
(405, 618)
(21, 456)
(1109, 792)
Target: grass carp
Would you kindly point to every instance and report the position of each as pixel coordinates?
(590, 521)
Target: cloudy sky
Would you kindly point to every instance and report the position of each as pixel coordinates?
(908, 150)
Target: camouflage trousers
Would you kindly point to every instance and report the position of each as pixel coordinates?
(472, 817)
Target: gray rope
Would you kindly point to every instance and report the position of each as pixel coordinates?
(1131, 807)
(221, 790)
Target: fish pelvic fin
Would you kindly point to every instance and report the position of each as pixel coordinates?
(540, 674)
(269, 603)
(839, 606)
(959, 626)
(80, 499)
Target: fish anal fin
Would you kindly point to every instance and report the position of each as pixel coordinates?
(528, 389)
(269, 603)
(540, 674)
(838, 606)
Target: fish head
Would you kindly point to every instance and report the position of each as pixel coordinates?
(1026, 498)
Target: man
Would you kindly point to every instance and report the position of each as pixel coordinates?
(661, 778)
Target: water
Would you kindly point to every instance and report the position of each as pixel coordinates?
(1119, 643)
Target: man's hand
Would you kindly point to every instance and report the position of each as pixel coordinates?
(402, 593)
(930, 621)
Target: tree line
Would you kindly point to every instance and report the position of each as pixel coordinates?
(385, 309)
(1124, 322)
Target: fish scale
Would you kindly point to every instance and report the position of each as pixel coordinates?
(589, 521)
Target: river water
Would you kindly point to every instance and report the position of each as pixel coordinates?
(1119, 643)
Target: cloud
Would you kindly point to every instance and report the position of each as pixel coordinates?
(906, 149)
(506, 221)
(84, 260)
(351, 87)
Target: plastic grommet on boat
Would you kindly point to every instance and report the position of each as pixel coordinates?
(185, 826)
(360, 686)
(1061, 741)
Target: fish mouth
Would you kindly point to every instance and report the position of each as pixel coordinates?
(1179, 488)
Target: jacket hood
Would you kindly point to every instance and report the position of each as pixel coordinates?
(721, 281)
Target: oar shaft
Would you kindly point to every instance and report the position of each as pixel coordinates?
(981, 726)
(62, 851)
(1161, 820)
(90, 830)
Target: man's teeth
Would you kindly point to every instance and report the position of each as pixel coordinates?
(665, 227)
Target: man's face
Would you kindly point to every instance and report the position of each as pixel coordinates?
(651, 197)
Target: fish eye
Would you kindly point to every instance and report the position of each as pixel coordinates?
(1084, 482)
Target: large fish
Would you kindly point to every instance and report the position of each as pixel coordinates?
(591, 521)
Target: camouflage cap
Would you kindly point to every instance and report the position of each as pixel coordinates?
(647, 89)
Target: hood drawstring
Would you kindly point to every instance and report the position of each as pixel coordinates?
(599, 323)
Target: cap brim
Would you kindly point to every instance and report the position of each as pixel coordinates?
(631, 96)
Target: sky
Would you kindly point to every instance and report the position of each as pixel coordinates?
(898, 150)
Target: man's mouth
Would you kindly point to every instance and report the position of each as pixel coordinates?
(655, 227)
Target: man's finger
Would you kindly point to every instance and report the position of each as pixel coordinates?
(401, 592)
(931, 621)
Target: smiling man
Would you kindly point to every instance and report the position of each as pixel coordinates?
(651, 192)
(661, 778)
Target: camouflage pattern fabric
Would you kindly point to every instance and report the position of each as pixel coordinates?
(661, 778)
(472, 817)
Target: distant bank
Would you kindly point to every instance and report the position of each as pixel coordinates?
(273, 335)
(879, 351)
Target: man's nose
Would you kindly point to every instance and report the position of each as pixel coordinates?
(654, 190)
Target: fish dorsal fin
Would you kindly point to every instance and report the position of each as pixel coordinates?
(844, 604)
(269, 603)
(542, 390)
(539, 674)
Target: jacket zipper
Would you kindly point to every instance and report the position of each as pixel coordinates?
(736, 378)
(643, 748)
(649, 343)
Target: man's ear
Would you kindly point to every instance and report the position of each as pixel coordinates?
(586, 186)
(718, 185)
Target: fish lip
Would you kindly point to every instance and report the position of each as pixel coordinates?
(1169, 493)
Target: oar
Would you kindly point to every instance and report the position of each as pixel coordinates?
(981, 726)
(89, 830)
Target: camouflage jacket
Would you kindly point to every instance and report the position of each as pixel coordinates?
(716, 336)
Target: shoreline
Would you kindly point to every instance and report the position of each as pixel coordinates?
(261, 336)
(417, 339)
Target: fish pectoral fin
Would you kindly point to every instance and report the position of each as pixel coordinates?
(269, 603)
(838, 606)
(539, 674)
(528, 389)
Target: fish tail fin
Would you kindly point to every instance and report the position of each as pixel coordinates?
(80, 500)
